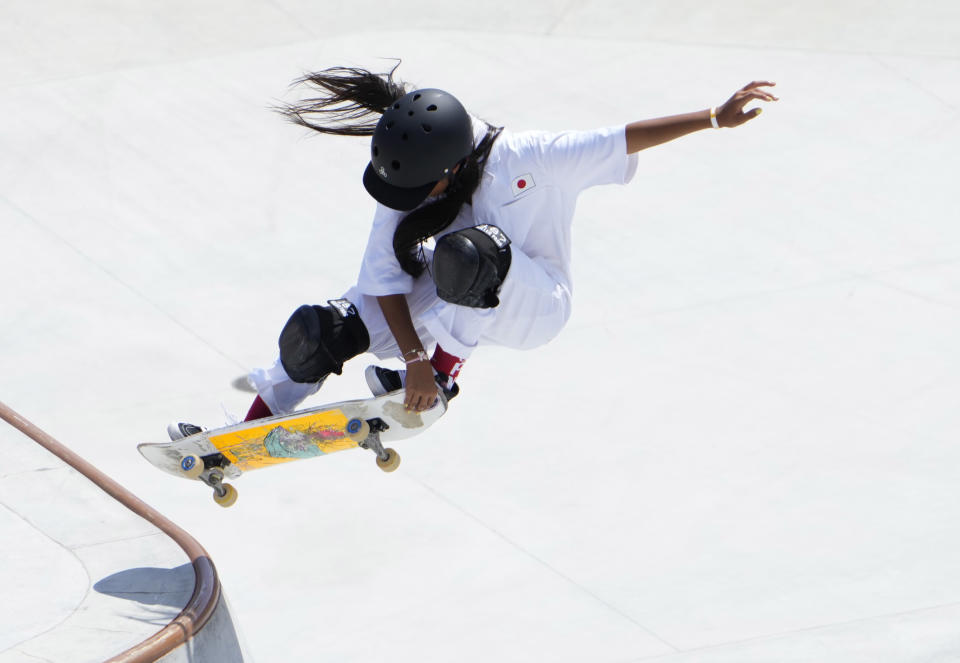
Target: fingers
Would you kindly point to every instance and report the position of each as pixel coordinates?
(750, 114)
(742, 117)
(421, 389)
(419, 401)
(744, 101)
(755, 84)
(762, 94)
(742, 98)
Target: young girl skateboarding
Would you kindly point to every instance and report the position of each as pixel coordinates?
(471, 236)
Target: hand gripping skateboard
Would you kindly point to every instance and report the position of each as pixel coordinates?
(214, 455)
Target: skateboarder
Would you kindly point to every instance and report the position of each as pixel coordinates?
(471, 237)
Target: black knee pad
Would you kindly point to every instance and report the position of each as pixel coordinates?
(317, 340)
(469, 266)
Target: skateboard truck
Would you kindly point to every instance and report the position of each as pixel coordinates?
(209, 470)
(223, 493)
(387, 459)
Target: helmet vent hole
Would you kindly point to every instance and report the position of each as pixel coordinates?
(396, 106)
(432, 107)
(426, 128)
(390, 124)
(410, 113)
(405, 137)
(416, 97)
(376, 151)
(395, 165)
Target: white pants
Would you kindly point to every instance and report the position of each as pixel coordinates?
(534, 308)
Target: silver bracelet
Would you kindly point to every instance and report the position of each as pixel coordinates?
(419, 355)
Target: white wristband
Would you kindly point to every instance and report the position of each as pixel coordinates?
(713, 118)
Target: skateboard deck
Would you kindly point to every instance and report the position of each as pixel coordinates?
(228, 452)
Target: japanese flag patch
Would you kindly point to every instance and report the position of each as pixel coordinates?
(522, 184)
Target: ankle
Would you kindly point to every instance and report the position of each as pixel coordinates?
(258, 410)
(447, 366)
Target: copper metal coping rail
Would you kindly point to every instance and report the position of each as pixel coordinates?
(206, 590)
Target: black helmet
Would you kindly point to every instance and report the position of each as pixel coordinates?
(420, 137)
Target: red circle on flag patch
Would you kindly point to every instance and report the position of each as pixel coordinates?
(521, 184)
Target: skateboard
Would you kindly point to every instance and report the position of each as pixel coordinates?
(225, 453)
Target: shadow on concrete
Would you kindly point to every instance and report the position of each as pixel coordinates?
(217, 642)
(151, 586)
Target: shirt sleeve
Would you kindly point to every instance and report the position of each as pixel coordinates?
(380, 272)
(582, 159)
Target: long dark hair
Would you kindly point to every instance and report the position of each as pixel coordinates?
(350, 103)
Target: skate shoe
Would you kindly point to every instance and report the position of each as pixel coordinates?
(180, 430)
(384, 380)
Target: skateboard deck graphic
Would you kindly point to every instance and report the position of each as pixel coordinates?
(227, 452)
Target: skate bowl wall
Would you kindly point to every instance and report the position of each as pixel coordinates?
(96, 581)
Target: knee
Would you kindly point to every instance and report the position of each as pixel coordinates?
(317, 340)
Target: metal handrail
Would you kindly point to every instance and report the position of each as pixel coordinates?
(206, 590)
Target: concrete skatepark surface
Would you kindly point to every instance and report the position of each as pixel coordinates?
(742, 448)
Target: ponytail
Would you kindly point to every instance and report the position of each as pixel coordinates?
(351, 100)
(433, 218)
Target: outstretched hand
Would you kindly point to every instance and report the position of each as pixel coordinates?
(731, 113)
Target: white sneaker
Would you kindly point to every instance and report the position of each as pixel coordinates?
(180, 430)
(384, 380)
